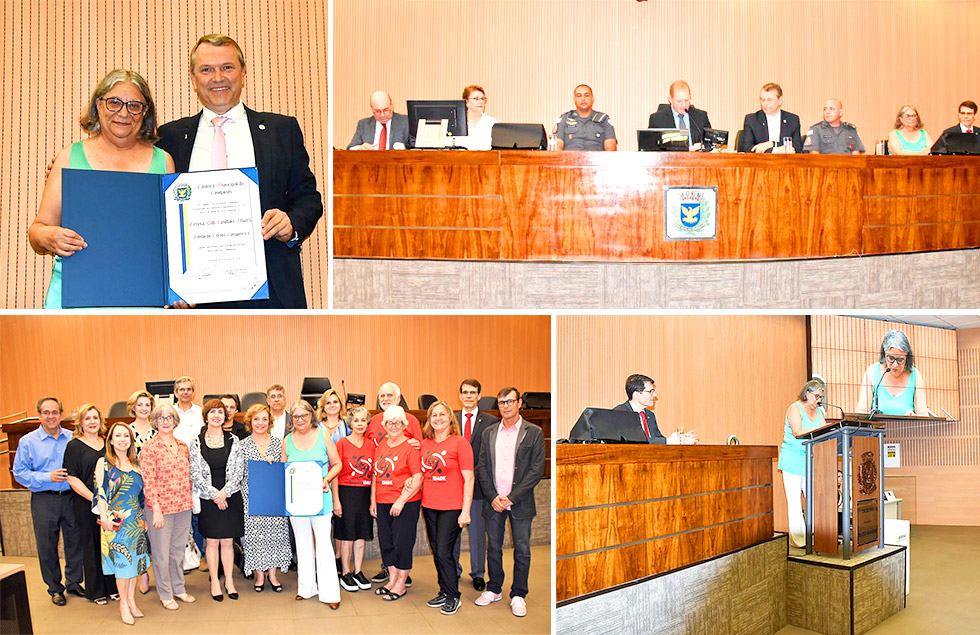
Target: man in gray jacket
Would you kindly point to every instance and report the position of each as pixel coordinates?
(384, 129)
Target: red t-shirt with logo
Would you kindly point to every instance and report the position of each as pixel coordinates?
(376, 430)
(442, 476)
(392, 467)
(357, 463)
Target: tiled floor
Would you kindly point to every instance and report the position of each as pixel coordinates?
(268, 612)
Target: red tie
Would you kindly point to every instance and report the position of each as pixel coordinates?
(468, 430)
(969, 131)
(643, 422)
(383, 139)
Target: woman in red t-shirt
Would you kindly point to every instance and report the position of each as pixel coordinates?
(395, 501)
(352, 523)
(447, 491)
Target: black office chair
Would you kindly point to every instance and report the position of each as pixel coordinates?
(315, 385)
(401, 402)
(249, 399)
(118, 409)
(536, 400)
(426, 400)
(738, 141)
(487, 403)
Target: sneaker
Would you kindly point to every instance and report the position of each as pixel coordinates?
(487, 598)
(381, 577)
(348, 582)
(437, 601)
(451, 606)
(362, 582)
(518, 606)
(408, 582)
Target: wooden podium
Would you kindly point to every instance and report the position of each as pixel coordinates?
(856, 445)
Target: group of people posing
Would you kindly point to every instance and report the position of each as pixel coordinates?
(130, 495)
(770, 129)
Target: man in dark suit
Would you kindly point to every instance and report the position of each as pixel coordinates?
(226, 134)
(511, 464)
(765, 129)
(472, 424)
(967, 115)
(679, 113)
(385, 129)
(641, 398)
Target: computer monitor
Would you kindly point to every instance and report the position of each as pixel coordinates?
(713, 138)
(518, 136)
(663, 139)
(962, 143)
(444, 119)
(162, 388)
(600, 425)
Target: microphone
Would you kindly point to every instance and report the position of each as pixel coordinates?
(820, 404)
(874, 395)
(343, 387)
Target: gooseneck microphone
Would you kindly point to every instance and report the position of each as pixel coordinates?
(821, 404)
(874, 395)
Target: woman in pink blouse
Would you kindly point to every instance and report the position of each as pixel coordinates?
(167, 489)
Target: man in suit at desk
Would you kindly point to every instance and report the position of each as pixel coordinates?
(641, 398)
(472, 423)
(385, 129)
(680, 114)
(227, 134)
(765, 129)
(967, 115)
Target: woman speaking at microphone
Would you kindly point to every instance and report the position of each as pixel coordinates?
(802, 415)
(893, 385)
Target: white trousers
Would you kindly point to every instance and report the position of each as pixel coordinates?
(325, 571)
(793, 484)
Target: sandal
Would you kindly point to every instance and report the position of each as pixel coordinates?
(391, 596)
(381, 590)
(114, 597)
(170, 605)
(276, 587)
(186, 598)
(101, 601)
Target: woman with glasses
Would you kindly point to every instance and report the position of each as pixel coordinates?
(121, 121)
(167, 488)
(352, 524)
(479, 126)
(909, 137)
(316, 568)
(802, 415)
(396, 500)
(893, 386)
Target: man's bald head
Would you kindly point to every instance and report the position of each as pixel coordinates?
(833, 111)
(381, 106)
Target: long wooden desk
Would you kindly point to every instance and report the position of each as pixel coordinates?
(628, 512)
(608, 206)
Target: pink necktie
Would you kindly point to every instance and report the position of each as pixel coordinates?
(219, 154)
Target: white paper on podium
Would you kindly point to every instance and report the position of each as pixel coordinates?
(304, 488)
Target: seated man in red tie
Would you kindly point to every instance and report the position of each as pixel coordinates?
(385, 129)
(641, 392)
(967, 115)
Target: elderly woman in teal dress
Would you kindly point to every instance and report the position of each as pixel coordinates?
(119, 491)
(121, 120)
(909, 137)
(893, 385)
(802, 415)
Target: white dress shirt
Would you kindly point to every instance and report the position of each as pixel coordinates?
(480, 136)
(775, 124)
(191, 422)
(238, 140)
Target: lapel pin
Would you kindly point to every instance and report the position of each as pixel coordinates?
(261, 126)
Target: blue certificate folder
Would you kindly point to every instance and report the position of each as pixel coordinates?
(267, 488)
(122, 217)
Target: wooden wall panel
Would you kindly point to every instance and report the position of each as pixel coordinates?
(530, 54)
(105, 358)
(55, 51)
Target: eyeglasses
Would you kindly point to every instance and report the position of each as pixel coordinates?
(114, 104)
(302, 417)
(166, 418)
(895, 360)
(506, 402)
(648, 391)
(50, 413)
(910, 115)
(469, 393)
(395, 422)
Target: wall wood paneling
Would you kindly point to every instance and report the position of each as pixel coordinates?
(55, 51)
(105, 358)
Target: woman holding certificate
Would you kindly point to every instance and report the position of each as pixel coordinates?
(893, 385)
(447, 491)
(216, 472)
(121, 120)
(352, 523)
(308, 442)
(395, 501)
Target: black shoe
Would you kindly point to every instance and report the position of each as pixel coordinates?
(381, 577)
(218, 598)
(408, 582)
(437, 601)
(348, 582)
(77, 591)
(362, 582)
(233, 596)
(451, 606)
(248, 575)
(58, 599)
(479, 584)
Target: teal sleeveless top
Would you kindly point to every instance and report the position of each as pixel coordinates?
(79, 161)
(913, 146)
(792, 455)
(890, 404)
(317, 453)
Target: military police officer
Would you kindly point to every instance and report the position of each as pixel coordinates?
(833, 136)
(584, 128)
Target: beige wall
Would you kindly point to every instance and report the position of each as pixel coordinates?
(105, 358)
(55, 51)
(875, 55)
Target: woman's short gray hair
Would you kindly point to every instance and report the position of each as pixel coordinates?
(90, 119)
(897, 339)
(162, 410)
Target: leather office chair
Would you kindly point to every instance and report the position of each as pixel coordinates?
(401, 402)
(252, 398)
(426, 400)
(118, 409)
(487, 403)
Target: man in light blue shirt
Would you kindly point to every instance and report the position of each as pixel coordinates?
(38, 466)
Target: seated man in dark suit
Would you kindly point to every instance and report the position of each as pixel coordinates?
(226, 134)
(765, 129)
(641, 398)
(967, 115)
(385, 129)
(680, 114)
